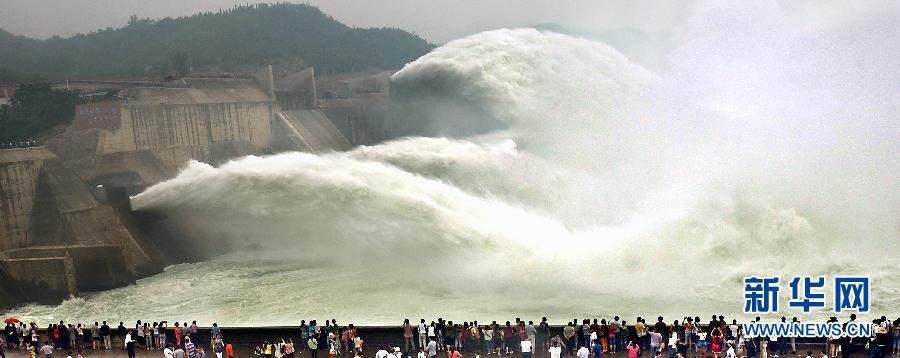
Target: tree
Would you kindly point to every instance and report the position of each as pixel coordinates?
(34, 110)
(180, 63)
(242, 36)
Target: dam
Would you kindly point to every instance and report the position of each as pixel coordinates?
(66, 224)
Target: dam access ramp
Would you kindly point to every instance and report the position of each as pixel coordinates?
(308, 130)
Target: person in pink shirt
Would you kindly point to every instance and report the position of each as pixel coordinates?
(633, 350)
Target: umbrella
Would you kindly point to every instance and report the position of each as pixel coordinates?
(11, 320)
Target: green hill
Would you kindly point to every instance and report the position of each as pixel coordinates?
(245, 35)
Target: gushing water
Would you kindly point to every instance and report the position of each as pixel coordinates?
(600, 188)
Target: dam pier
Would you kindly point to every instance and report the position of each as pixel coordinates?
(66, 224)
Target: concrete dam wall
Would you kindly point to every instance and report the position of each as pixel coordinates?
(66, 225)
(307, 130)
(150, 127)
(56, 239)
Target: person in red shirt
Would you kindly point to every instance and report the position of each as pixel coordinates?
(179, 334)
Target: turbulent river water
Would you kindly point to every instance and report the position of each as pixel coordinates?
(762, 148)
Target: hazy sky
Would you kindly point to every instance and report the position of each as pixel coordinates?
(436, 20)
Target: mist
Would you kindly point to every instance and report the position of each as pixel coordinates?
(765, 143)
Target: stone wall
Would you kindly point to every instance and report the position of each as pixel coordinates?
(19, 175)
(44, 280)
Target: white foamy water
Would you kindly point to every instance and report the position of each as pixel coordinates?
(765, 147)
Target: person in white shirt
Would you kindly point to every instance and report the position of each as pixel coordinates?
(168, 352)
(730, 353)
(432, 349)
(382, 353)
(655, 339)
(421, 353)
(423, 333)
(583, 352)
(526, 348)
(555, 349)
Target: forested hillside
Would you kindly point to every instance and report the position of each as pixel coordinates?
(246, 35)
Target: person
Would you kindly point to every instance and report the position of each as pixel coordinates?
(527, 346)
(432, 348)
(640, 331)
(569, 335)
(437, 331)
(688, 325)
(717, 341)
(408, 335)
(702, 345)
(633, 350)
(79, 333)
(750, 347)
(531, 333)
(304, 334)
(154, 336)
(229, 351)
(421, 353)
(214, 333)
(70, 337)
(583, 352)
(381, 353)
(189, 348)
(681, 347)
(358, 343)
(168, 352)
(278, 350)
(218, 346)
(453, 352)
(138, 335)
(121, 332)
(613, 329)
(661, 327)
(655, 339)
(332, 345)
(555, 348)
(163, 340)
(597, 349)
(105, 335)
(129, 344)
(730, 353)
(488, 334)
(179, 352)
(148, 337)
(47, 350)
(543, 334)
(313, 345)
(585, 331)
(289, 349)
(179, 334)
(347, 339)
